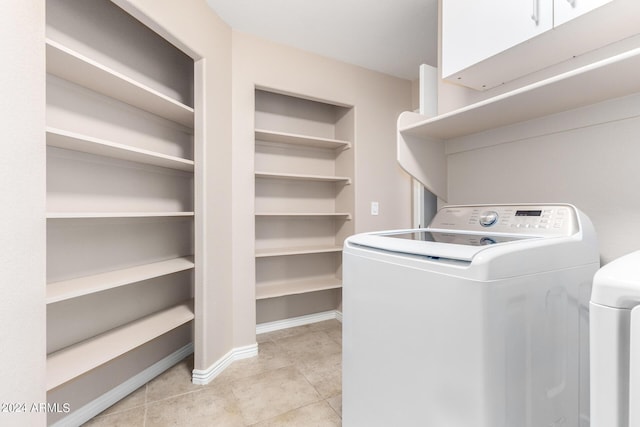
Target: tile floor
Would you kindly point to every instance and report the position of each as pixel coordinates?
(294, 381)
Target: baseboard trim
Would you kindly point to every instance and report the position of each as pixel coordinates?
(298, 321)
(205, 376)
(96, 406)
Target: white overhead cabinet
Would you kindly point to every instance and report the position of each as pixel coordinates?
(488, 43)
(476, 30)
(566, 10)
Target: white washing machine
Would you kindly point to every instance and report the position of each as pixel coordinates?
(615, 344)
(480, 320)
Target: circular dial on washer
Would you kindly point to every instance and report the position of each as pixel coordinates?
(488, 218)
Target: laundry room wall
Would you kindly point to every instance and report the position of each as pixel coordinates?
(587, 157)
(377, 100)
(22, 221)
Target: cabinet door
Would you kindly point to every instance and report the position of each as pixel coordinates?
(566, 10)
(476, 30)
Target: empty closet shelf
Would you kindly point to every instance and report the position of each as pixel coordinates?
(297, 139)
(73, 288)
(76, 68)
(71, 362)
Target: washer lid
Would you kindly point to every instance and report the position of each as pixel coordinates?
(435, 244)
(617, 284)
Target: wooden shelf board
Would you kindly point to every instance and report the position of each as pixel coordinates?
(86, 144)
(71, 362)
(302, 177)
(273, 290)
(74, 67)
(77, 215)
(261, 253)
(297, 139)
(73, 288)
(613, 77)
(305, 214)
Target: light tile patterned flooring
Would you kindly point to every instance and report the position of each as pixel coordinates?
(294, 381)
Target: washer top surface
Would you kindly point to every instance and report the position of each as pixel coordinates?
(462, 232)
(617, 284)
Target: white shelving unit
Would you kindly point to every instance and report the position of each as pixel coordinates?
(87, 144)
(423, 141)
(344, 215)
(72, 66)
(71, 362)
(262, 253)
(73, 288)
(120, 220)
(78, 215)
(302, 177)
(304, 193)
(297, 139)
(280, 289)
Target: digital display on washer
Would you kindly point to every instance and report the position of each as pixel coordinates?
(528, 213)
(458, 239)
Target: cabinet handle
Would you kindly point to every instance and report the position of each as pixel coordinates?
(572, 3)
(535, 14)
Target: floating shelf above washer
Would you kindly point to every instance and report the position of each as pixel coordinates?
(606, 79)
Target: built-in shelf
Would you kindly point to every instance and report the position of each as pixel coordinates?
(73, 215)
(302, 177)
(73, 288)
(74, 67)
(610, 78)
(87, 144)
(305, 214)
(71, 362)
(296, 139)
(303, 250)
(280, 289)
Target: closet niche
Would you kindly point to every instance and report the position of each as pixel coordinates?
(304, 202)
(120, 201)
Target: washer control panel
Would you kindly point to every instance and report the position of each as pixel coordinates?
(545, 220)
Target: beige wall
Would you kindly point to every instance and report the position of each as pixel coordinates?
(378, 100)
(198, 31)
(22, 221)
(587, 157)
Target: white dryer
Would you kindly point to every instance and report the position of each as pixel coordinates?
(615, 344)
(480, 320)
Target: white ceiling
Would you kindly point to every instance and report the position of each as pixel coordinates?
(390, 36)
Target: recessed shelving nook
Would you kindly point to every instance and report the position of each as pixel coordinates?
(304, 196)
(120, 191)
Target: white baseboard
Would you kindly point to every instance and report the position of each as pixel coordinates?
(205, 376)
(298, 321)
(95, 407)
